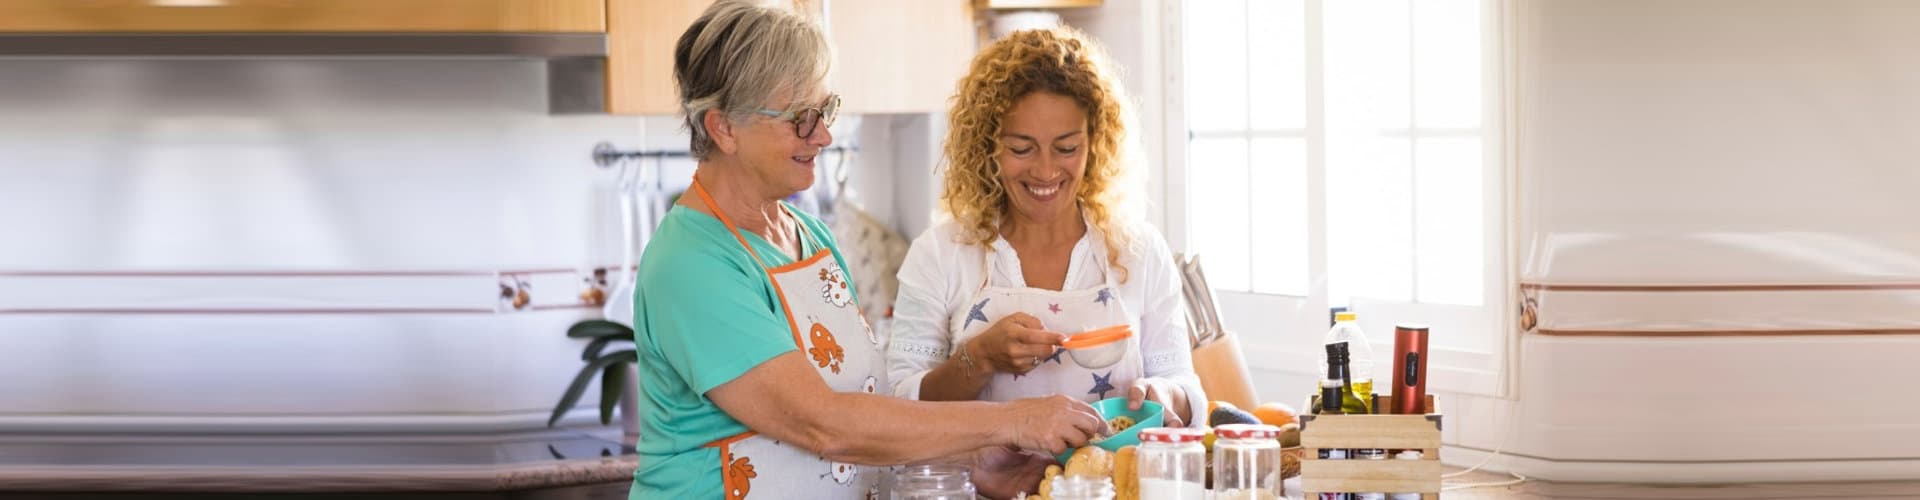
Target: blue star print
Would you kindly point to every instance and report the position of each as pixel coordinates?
(1056, 355)
(978, 313)
(1054, 307)
(1102, 384)
(1106, 294)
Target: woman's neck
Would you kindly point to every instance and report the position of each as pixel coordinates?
(737, 198)
(1023, 232)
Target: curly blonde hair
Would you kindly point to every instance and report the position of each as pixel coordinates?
(1060, 61)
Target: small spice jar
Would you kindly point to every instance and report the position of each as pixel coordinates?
(1081, 488)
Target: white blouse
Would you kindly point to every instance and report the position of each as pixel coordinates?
(941, 274)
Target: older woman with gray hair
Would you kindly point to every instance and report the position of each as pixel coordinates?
(749, 335)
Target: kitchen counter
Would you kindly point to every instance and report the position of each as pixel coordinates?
(314, 464)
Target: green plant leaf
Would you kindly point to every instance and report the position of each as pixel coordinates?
(596, 328)
(584, 377)
(599, 344)
(613, 384)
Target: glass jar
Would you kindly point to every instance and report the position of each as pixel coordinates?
(1173, 464)
(1370, 454)
(1246, 462)
(933, 482)
(1081, 488)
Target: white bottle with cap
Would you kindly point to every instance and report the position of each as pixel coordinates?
(1405, 455)
(1346, 328)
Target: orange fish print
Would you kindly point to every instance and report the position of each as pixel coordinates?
(826, 351)
(737, 479)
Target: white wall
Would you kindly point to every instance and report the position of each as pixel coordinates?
(898, 178)
(1719, 142)
(419, 178)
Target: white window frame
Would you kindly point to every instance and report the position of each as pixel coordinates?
(1303, 321)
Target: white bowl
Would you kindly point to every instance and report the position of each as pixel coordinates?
(1101, 356)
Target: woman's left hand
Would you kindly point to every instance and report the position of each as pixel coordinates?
(1171, 396)
(1004, 472)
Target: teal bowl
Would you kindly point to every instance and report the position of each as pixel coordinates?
(1147, 417)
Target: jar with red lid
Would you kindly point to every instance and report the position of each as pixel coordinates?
(1173, 464)
(1246, 462)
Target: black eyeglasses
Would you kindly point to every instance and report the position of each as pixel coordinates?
(806, 120)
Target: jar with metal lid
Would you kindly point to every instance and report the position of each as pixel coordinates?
(1173, 464)
(1246, 462)
(1081, 488)
(933, 482)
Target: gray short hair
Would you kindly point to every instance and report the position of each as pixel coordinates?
(737, 56)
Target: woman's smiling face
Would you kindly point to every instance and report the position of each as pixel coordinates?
(1043, 156)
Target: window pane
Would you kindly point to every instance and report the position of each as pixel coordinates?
(1450, 262)
(1367, 87)
(1217, 195)
(1446, 63)
(1278, 178)
(1369, 219)
(1216, 60)
(1278, 68)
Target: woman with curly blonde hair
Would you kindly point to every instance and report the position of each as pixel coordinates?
(1038, 248)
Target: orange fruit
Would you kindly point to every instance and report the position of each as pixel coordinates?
(1275, 414)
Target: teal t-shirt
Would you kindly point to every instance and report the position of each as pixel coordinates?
(703, 314)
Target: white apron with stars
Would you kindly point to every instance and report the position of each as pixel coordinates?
(1067, 312)
(827, 327)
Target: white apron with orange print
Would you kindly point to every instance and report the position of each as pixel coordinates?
(829, 331)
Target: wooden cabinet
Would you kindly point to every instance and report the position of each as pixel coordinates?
(1036, 4)
(898, 56)
(892, 56)
(309, 16)
(640, 38)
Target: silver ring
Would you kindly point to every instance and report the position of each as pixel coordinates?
(1036, 361)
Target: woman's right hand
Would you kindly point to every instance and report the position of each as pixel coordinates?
(1016, 344)
(1054, 423)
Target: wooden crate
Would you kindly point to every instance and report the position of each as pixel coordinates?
(1386, 432)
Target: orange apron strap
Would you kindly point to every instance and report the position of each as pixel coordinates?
(715, 207)
(792, 326)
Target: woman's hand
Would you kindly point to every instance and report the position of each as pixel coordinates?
(1015, 344)
(1003, 472)
(1054, 423)
(1171, 396)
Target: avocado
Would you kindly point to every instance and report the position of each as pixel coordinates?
(1289, 435)
(1229, 415)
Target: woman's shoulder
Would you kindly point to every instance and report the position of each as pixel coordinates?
(931, 258)
(1144, 241)
(690, 243)
(945, 238)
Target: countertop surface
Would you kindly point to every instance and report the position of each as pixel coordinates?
(313, 463)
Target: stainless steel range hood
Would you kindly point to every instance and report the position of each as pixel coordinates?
(576, 62)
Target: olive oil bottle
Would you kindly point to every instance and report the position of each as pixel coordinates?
(1359, 397)
(1359, 360)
